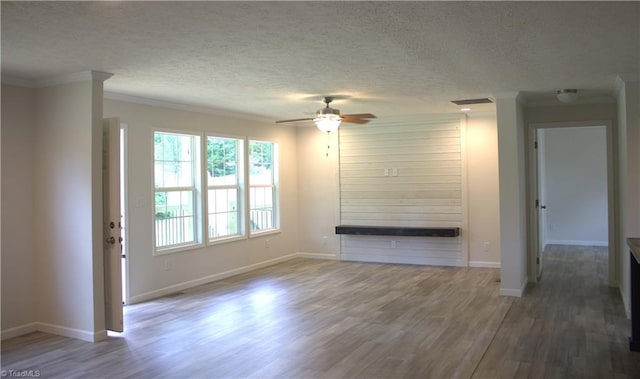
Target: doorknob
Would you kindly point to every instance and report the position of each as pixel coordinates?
(111, 240)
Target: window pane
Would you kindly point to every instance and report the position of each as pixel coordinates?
(222, 161)
(174, 218)
(223, 212)
(262, 215)
(261, 162)
(175, 196)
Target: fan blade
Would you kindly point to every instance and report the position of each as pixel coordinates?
(294, 120)
(360, 118)
(355, 120)
(360, 115)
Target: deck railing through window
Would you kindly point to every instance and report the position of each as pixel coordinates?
(261, 219)
(174, 228)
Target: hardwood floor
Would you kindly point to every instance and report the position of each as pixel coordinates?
(327, 319)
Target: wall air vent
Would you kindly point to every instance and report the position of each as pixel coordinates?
(472, 101)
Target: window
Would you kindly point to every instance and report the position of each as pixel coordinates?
(263, 178)
(176, 180)
(225, 175)
(200, 189)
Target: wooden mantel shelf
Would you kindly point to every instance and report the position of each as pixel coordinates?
(400, 231)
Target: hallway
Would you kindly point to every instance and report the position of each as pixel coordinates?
(569, 325)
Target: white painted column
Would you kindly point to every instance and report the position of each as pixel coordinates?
(511, 160)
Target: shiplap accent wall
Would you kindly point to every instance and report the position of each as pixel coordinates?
(404, 173)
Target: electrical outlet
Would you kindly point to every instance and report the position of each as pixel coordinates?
(485, 246)
(166, 265)
(267, 244)
(385, 172)
(325, 240)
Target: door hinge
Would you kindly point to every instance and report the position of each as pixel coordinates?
(537, 203)
(535, 144)
(537, 260)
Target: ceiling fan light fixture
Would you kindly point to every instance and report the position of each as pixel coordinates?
(567, 96)
(328, 122)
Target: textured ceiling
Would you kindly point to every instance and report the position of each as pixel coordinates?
(276, 60)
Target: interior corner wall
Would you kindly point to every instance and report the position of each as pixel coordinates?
(63, 209)
(318, 193)
(18, 257)
(511, 136)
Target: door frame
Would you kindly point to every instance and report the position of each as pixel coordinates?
(532, 195)
(124, 198)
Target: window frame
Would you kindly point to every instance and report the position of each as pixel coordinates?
(196, 188)
(239, 186)
(275, 187)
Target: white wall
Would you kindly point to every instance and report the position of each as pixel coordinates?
(575, 170)
(18, 257)
(318, 193)
(483, 190)
(513, 234)
(149, 278)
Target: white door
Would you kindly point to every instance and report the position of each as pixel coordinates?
(112, 225)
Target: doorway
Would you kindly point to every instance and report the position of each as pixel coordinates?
(570, 190)
(123, 213)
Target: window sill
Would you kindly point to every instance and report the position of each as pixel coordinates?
(178, 249)
(265, 233)
(219, 241)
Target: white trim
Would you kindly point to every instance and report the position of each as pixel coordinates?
(184, 107)
(17, 82)
(206, 279)
(19, 331)
(58, 80)
(317, 256)
(484, 264)
(577, 243)
(72, 78)
(85, 335)
(513, 292)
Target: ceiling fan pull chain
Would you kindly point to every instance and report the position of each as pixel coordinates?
(328, 143)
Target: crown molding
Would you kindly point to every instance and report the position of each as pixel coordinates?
(17, 82)
(184, 107)
(57, 80)
(72, 78)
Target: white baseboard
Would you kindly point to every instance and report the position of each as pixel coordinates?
(64, 331)
(577, 243)
(19, 330)
(80, 334)
(484, 264)
(513, 292)
(317, 256)
(207, 279)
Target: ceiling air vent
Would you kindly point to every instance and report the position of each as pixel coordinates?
(472, 101)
